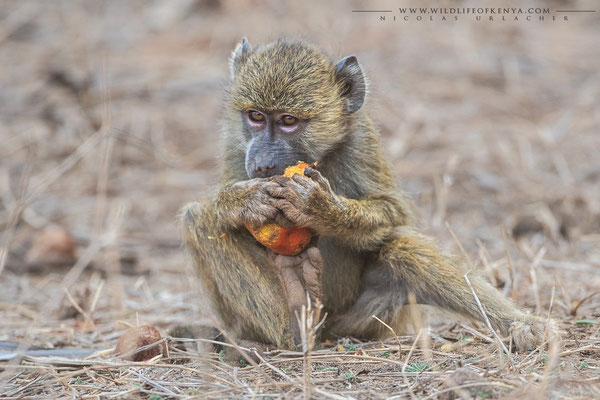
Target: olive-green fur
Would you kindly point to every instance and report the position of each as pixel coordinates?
(231, 271)
(372, 256)
(290, 76)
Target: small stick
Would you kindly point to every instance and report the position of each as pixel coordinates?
(475, 332)
(244, 353)
(309, 323)
(151, 382)
(511, 273)
(274, 368)
(533, 275)
(392, 330)
(329, 395)
(467, 385)
(554, 352)
(483, 256)
(573, 311)
(460, 246)
(412, 348)
(144, 348)
(485, 317)
(549, 313)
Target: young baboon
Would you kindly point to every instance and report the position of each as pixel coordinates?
(287, 101)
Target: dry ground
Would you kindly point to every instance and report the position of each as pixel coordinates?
(109, 123)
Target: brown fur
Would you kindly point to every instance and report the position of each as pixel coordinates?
(372, 258)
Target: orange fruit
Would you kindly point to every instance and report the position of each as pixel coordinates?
(295, 169)
(285, 241)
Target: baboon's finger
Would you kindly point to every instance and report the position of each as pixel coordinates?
(302, 181)
(289, 192)
(276, 191)
(257, 215)
(293, 287)
(298, 189)
(312, 280)
(314, 255)
(280, 180)
(286, 261)
(282, 221)
(312, 268)
(269, 185)
(317, 177)
(290, 211)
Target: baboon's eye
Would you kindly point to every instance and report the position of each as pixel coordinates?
(255, 116)
(289, 120)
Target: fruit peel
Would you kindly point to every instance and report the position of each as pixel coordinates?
(295, 169)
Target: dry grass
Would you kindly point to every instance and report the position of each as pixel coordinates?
(109, 117)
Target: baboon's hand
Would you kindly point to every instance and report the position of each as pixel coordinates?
(248, 203)
(531, 332)
(299, 275)
(304, 199)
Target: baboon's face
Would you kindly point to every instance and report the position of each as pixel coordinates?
(274, 141)
(293, 101)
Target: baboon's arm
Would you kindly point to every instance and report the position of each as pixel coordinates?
(363, 224)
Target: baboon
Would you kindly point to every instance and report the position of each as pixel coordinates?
(288, 102)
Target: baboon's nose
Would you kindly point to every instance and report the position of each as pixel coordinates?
(264, 171)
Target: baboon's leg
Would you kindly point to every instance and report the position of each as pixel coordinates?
(243, 287)
(383, 296)
(410, 263)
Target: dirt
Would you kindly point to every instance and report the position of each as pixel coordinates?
(110, 123)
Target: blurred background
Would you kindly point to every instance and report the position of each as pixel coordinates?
(109, 123)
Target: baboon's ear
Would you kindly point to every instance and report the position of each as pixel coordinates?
(238, 56)
(349, 73)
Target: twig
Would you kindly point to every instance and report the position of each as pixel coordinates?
(309, 323)
(475, 332)
(144, 348)
(466, 385)
(329, 395)
(573, 311)
(485, 317)
(549, 313)
(391, 330)
(16, 212)
(511, 272)
(534, 283)
(244, 353)
(554, 352)
(151, 382)
(275, 369)
(483, 313)
(576, 267)
(412, 348)
(460, 246)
